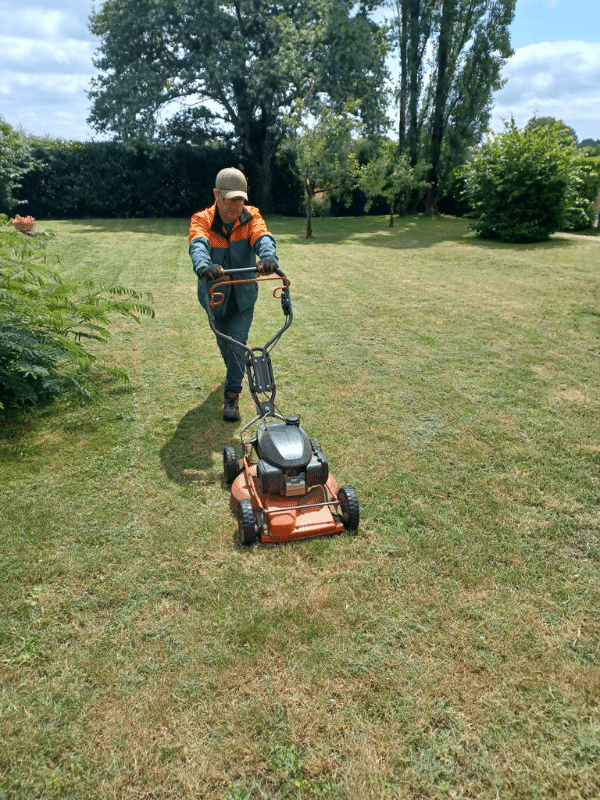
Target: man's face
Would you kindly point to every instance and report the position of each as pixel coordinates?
(229, 210)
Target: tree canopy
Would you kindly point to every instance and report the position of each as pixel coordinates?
(233, 68)
(325, 156)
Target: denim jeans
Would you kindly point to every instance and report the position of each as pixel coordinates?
(235, 324)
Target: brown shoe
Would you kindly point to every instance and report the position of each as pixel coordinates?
(231, 411)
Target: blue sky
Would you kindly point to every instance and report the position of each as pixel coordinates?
(46, 66)
(555, 71)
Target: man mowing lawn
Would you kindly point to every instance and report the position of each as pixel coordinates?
(230, 235)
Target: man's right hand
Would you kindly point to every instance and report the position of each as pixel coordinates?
(212, 272)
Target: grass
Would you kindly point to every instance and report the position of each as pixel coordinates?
(448, 650)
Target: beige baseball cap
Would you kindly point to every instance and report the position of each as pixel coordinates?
(232, 183)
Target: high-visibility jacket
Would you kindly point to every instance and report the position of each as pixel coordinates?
(209, 244)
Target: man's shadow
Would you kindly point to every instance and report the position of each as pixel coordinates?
(190, 456)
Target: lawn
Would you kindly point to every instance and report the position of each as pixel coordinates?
(449, 649)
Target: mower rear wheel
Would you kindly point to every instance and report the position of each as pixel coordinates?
(349, 507)
(230, 465)
(246, 522)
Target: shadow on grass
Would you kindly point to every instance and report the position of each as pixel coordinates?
(408, 233)
(197, 444)
(490, 244)
(15, 427)
(151, 226)
(411, 232)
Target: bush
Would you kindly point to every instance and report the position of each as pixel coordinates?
(44, 320)
(15, 161)
(523, 184)
(583, 206)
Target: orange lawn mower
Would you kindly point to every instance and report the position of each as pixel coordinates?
(281, 488)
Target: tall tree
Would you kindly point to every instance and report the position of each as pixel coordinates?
(233, 66)
(454, 51)
(473, 44)
(411, 31)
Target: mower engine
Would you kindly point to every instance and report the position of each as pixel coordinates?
(289, 462)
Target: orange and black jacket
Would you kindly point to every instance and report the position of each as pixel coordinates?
(209, 244)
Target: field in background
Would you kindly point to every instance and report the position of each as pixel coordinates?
(449, 649)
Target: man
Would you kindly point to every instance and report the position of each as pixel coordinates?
(230, 235)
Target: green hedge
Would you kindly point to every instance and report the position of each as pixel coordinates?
(112, 179)
(115, 179)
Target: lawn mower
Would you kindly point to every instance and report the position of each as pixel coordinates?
(281, 488)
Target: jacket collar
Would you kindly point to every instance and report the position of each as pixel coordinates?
(217, 223)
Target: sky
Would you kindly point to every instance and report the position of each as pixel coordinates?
(46, 53)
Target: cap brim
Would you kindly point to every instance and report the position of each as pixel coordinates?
(233, 194)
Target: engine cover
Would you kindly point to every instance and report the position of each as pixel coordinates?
(284, 444)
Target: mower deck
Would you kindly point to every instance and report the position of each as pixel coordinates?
(288, 519)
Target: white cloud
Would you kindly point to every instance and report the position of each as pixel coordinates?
(46, 67)
(553, 79)
(32, 56)
(37, 22)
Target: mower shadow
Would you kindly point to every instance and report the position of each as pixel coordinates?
(190, 455)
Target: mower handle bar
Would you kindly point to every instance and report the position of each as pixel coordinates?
(226, 281)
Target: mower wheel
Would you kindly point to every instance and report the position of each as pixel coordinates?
(230, 465)
(349, 507)
(246, 522)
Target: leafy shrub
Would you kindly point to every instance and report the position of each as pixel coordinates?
(522, 184)
(584, 203)
(44, 322)
(15, 162)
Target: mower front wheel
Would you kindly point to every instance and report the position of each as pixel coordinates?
(246, 523)
(230, 465)
(349, 507)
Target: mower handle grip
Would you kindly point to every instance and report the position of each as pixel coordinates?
(276, 271)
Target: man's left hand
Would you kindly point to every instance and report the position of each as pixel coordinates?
(267, 265)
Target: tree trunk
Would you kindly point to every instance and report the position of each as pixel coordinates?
(440, 98)
(431, 207)
(259, 150)
(308, 196)
(414, 66)
(391, 213)
(260, 179)
(403, 75)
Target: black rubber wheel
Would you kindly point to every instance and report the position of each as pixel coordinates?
(230, 465)
(246, 523)
(349, 507)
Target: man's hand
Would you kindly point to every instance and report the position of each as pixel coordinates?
(267, 265)
(212, 272)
